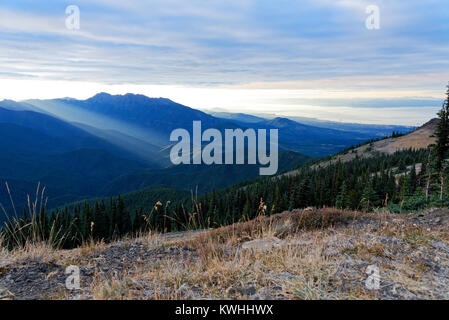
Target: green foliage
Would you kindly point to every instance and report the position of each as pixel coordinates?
(441, 147)
(363, 184)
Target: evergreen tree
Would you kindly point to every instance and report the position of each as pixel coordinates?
(412, 181)
(442, 143)
(342, 198)
(368, 196)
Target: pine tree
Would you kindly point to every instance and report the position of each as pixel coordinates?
(342, 198)
(442, 142)
(277, 200)
(368, 196)
(246, 210)
(412, 181)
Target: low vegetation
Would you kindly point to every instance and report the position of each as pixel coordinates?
(313, 254)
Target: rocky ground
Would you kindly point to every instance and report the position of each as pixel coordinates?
(374, 256)
(45, 277)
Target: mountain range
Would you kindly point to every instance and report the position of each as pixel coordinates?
(373, 130)
(111, 144)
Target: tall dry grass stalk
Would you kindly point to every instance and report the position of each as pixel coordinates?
(30, 231)
(189, 220)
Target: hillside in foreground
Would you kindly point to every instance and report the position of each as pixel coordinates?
(300, 254)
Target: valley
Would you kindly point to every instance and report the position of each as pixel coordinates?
(109, 145)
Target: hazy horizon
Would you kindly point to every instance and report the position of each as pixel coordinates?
(313, 59)
(212, 111)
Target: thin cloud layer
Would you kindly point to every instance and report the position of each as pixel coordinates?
(236, 44)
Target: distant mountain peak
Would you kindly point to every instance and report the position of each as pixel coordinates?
(104, 97)
(101, 95)
(281, 122)
(281, 119)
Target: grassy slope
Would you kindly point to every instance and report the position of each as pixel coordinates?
(317, 254)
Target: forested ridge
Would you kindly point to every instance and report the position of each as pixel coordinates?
(388, 181)
(361, 184)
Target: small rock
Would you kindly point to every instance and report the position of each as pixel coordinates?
(440, 246)
(250, 291)
(389, 241)
(263, 244)
(285, 276)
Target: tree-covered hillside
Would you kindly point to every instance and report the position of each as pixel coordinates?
(363, 184)
(406, 180)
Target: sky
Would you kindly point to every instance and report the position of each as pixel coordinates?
(310, 58)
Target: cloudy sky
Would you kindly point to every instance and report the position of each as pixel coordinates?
(313, 58)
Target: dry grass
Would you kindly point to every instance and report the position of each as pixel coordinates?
(324, 255)
(282, 225)
(298, 273)
(221, 270)
(4, 253)
(30, 251)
